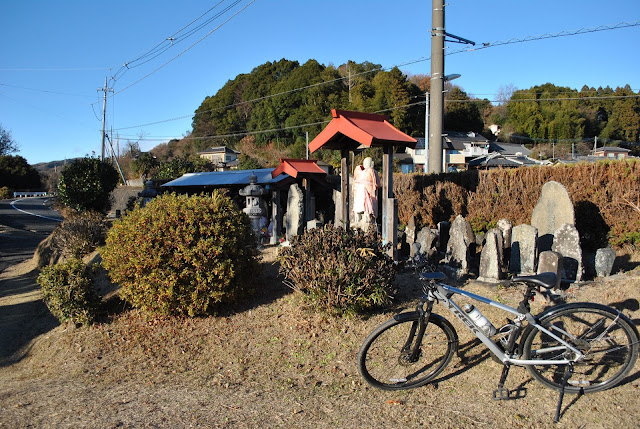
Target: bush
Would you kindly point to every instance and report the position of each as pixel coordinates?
(80, 234)
(68, 292)
(5, 193)
(339, 271)
(182, 255)
(86, 184)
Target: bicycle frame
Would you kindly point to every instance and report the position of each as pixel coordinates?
(443, 293)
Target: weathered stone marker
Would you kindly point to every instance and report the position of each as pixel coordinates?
(567, 243)
(554, 209)
(295, 211)
(460, 238)
(491, 257)
(524, 249)
(550, 262)
(604, 261)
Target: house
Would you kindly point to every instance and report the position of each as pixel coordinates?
(612, 152)
(458, 148)
(225, 158)
(509, 150)
(498, 160)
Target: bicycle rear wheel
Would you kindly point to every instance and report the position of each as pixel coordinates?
(608, 340)
(385, 359)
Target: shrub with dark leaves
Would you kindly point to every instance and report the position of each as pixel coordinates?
(339, 271)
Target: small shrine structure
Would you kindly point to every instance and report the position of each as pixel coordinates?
(351, 131)
(309, 171)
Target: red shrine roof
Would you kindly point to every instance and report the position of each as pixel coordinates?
(350, 130)
(293, 167)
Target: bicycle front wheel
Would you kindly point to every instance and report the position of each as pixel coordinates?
(391, 359)
(608, 340)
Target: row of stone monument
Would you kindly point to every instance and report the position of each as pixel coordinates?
(550, 244)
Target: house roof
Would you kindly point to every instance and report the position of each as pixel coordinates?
(221, 179)
(352, 130)
(455, 140)
(612, 149)
(463, 137)
(509, 149)
(453, 145)
(219, 149)
(294, 167)
(496, 159)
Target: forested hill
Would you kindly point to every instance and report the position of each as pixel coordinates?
(288, 97)
(277, 102)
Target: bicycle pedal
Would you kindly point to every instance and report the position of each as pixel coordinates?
(501, 394)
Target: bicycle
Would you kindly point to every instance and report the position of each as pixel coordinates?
(576, 348)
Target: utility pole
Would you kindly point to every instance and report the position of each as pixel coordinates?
(106, 89)
(436, 92)
(425, 168)
(438, 78)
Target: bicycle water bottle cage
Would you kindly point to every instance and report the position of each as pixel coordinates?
(546, 280)
(432, 276)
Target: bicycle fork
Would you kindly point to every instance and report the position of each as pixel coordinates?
(411, 348)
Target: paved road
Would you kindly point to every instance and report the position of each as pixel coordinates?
(24, 223)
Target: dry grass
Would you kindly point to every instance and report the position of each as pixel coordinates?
(274, 364)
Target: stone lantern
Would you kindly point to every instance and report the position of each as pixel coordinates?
(254, 204)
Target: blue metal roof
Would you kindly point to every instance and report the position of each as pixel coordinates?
(226, 178)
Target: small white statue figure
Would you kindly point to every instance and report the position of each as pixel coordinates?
(365, 186)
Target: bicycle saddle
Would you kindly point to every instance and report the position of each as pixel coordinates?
(546, 280)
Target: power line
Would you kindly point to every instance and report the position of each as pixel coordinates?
(172, 40)
(44, 90)
(564, 33)
(421, 59)
(191, 46)
(57, 69)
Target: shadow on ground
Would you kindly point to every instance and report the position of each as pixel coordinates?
(23, 317)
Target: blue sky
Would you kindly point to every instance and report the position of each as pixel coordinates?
(55, 55)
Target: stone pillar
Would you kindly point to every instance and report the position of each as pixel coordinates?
(490, 257)
(524, 249)
(276, 217)
(295, 212)
(389, 204)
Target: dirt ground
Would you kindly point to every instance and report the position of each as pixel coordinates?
(270, 363)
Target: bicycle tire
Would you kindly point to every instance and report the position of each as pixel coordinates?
(607, 338)
(383, 364)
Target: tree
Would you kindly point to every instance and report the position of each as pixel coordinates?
(144, 164)
(462, 113)
(248, 163)
(7, 144)
(16, 173)
(86, 184)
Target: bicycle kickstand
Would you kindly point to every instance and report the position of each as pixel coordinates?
(501, 394)
(567, 375)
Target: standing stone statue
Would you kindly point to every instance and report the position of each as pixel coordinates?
(554, 209)
(365, 193)
(460, 238)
